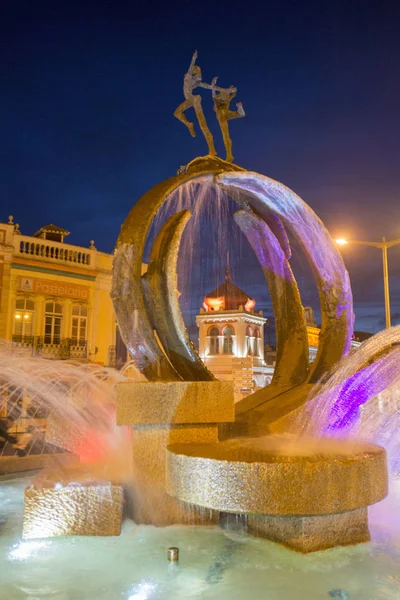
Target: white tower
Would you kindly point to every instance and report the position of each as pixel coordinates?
(231, 338)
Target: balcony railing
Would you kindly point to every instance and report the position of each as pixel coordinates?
(62, 348)
(53, 251)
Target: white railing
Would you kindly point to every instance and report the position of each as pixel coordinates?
(58, 252)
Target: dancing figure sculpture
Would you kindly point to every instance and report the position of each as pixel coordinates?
(191, 81)
(222, 101)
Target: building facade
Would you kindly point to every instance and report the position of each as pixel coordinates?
(55, 297)
(231, 338)
(55, 303)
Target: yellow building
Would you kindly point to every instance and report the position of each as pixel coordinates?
(55, 297)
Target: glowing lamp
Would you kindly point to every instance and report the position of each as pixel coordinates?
(215, 303)
(341, 241)
(250, 304)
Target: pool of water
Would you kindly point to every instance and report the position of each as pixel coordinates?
(214, 563)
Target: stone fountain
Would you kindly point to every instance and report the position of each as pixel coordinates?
(192, 448)
(309, 496)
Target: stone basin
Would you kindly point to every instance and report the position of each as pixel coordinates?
(306, 494)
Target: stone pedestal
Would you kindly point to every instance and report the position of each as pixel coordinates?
(310, 534)
(162, 414)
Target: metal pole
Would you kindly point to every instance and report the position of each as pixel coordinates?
(386, 282)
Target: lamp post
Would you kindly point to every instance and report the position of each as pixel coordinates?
(383, 245)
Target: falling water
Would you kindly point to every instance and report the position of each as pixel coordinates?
(74, 402)
(211, 243)
(360, 398)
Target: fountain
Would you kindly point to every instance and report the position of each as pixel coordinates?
(291, 463)
(256, 477)
(163, 412)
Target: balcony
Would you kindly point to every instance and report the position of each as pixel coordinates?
(64, 348)
(55, 252)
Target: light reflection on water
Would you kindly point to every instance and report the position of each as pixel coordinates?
(214, 563)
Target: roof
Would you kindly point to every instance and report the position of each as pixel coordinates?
(233, 296)
(51, 228)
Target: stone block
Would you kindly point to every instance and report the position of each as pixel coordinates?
(310, 534)
(151, 503)
(163, 414)
(94, 509)
(177, 402)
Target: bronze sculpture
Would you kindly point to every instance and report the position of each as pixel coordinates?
(181, 415)
(222, 101)
(147, 306)
(193, 80)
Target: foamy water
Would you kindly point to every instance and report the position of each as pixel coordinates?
(214, 563)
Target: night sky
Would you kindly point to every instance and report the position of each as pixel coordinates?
(89, 90)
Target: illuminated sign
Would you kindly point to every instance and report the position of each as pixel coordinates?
(50, 287)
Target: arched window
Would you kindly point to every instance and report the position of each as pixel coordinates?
(79, 325)
(52, 323)
(23, 319)
(228, 340)
(250, 341)
(214, 340)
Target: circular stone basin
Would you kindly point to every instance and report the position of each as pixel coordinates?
(278, 475)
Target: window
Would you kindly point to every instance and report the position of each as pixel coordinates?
(214, 340)
(79, 325)
(228, 340)
(23, 319)
(250, 341)
(52, 324)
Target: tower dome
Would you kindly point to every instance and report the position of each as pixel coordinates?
(228, 296)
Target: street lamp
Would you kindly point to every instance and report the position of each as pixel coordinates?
(383, 245)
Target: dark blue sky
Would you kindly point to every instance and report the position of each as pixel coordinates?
(89, 89)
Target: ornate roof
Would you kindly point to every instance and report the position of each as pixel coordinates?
(228, 296)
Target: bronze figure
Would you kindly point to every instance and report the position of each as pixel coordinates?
(222, 101)
(191, 81)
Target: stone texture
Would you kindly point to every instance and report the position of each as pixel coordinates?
(268, 476)
(73, 510)
(175, 402)
(310, 534)
(151, 504)
(163, 414)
